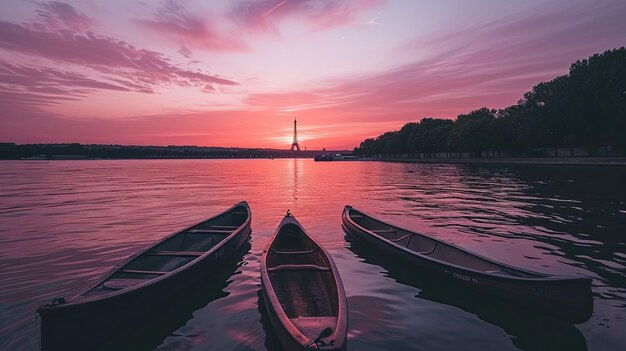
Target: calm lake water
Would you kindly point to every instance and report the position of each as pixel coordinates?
(65, 223)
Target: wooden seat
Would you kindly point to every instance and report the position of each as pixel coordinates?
(139, 271)
(298, 267)
(390, 230)
(210, 231)
(176, 253)
(295, 252)
(400, 238)
(430, 251)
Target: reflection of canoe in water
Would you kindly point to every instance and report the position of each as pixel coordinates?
(303, 291)
(166, 320)
(567, 297)
(143, 282)
(529, 329)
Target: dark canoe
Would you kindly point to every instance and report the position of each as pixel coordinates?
(143, 283)
(566, 297)
(303, 292)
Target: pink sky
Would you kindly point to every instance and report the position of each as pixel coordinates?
(235, 73)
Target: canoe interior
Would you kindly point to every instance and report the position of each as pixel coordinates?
(435, 249)
(173, 252)
(301, 275)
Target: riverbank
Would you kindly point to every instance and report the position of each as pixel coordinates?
(556, 161)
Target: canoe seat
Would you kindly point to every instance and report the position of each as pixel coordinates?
(295, 252)
(119, 284)
(497, 271)
(401, 238)
(139, 271)
(223, 226)
(176, 253)
(298, 267)
(390, 230)
(429, 251)
(356, 216)
(210, 231)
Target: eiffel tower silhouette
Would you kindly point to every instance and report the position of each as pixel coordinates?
(295, 144)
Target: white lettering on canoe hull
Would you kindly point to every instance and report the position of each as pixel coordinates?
(463, 277)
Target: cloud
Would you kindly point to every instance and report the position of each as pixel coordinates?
(484, 65)
(183, 50)
(30, 90)
(109, 56)
(173, 21)
(210, 32)
(59, 14)
(264, 16)
(73, 65)
(43, 79)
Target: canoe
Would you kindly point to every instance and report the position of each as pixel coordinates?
(566, 297)
(302, 290)
(141, 284)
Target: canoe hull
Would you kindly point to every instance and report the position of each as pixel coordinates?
(85, 325)
(569, 298)
(285, 338)
(287, 333)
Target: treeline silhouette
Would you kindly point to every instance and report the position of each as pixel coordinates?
(583, 112)
(76, 151)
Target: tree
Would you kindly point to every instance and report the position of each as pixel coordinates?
(587, 107)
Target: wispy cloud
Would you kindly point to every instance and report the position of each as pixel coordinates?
(54, 81)
(485, 65)
(72, 65)
(278, 4)
(173, 21)
(265, 16)
(58, 14)
(103, 54)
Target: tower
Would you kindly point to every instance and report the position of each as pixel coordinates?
(295, 144)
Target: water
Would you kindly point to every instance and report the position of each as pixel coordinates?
(65, 223)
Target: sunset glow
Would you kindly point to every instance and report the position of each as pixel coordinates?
(235, 73)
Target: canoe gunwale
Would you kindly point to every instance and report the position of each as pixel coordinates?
(77, 300)
(540, 277)
(273, 304)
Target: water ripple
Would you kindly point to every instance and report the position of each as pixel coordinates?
(65, 223)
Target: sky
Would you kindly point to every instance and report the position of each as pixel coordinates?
(236, 73)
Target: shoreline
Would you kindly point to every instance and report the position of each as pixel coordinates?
(549, 161)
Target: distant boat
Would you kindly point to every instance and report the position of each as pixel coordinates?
(35, 158)
(143, 283)
(335, 157)
(567, 297)
(302, 290)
